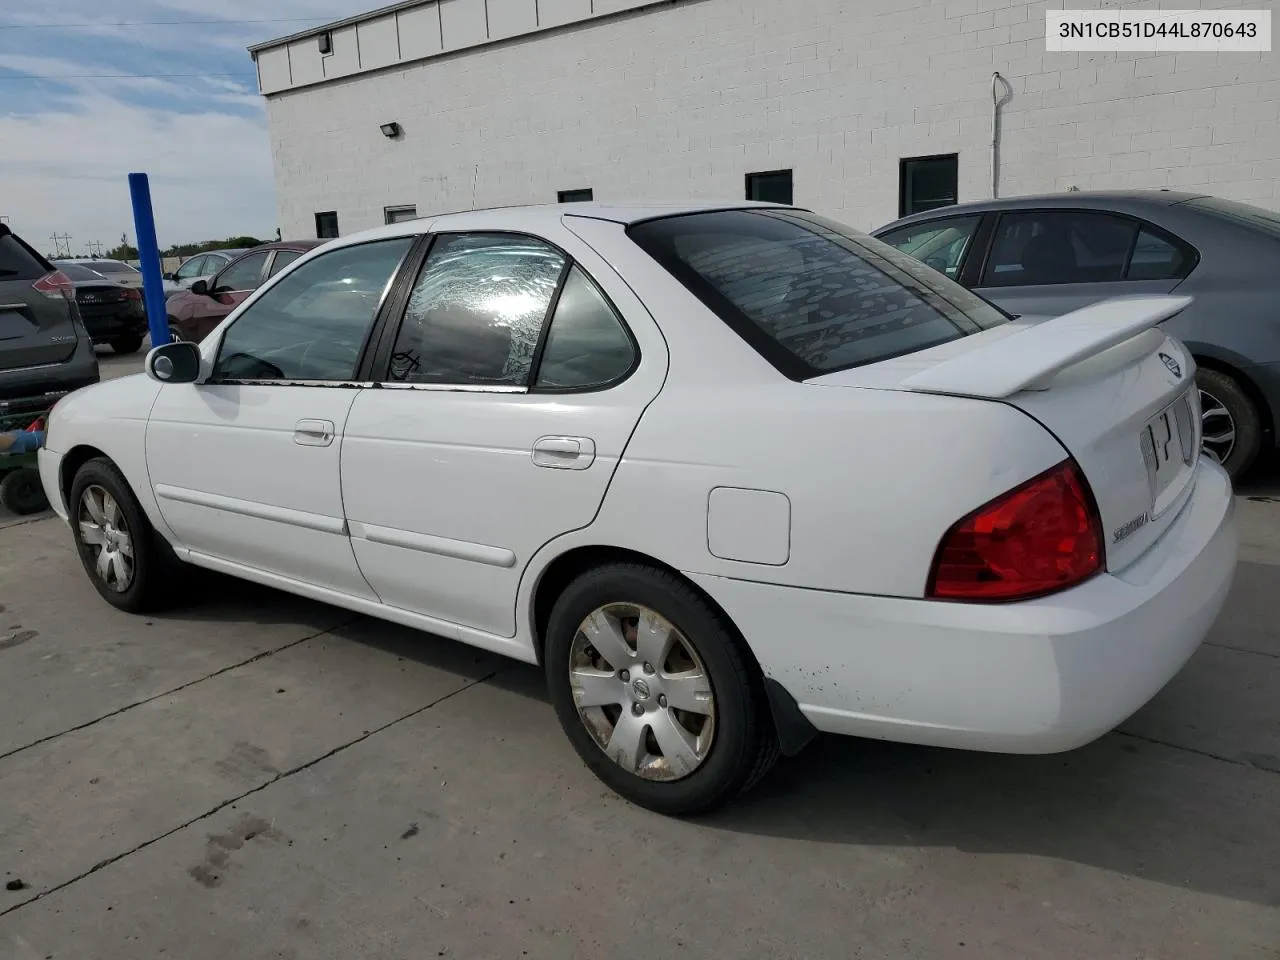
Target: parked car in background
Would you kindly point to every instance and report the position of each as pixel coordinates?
(729, 474)
(45, 351)
(1048, 255)
(197, 310)
(112, 312)
(116, 270)
(202, 266)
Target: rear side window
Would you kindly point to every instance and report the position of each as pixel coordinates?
(810, 295)
(587, 346)
(1059, 246)
(17, 262)
(1157, 257)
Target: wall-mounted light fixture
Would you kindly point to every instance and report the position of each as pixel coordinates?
(391, 130)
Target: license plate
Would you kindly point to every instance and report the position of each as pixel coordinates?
(1168, 449)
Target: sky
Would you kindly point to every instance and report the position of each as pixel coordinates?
(93, 90)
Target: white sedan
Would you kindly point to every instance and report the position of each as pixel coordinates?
(732, 474)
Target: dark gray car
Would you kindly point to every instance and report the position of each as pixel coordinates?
(1048, 255)
(45, 351)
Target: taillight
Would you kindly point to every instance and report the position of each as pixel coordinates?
(1040, 537)
(55, 285)
(130, 293)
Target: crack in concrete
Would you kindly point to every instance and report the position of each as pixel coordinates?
(102, 864)
(1227, 646)
(1249, 762)
(190, 683)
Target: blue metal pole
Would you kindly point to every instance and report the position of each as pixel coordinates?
(144, 224)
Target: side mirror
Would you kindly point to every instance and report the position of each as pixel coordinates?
(177, 362)
(171, 276)
(201, 287)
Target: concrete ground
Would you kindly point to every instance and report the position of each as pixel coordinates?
(256, 776)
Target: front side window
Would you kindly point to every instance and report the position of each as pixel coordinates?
(192, 268)
(587, 345)
(312, 325)
(940, 244)
(244, 274)
(811, 295)
(1043, 247)
(476, 311)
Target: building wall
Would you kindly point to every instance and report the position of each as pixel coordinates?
(683, 100)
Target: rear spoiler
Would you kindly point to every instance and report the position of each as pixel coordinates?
(1030, 356)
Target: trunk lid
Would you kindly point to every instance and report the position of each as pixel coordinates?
(1116, 391)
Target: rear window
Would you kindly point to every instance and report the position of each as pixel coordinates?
(76, 272)
(808, 294)
(17, 262)
(111, 266)
(1243, 214)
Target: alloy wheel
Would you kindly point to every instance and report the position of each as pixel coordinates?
(105, 534)
(642, 692)
(1218, 427)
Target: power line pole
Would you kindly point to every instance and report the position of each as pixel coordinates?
(60, 243)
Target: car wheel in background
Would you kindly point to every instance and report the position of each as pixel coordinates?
(655, 692)
(127, 562)
(175, 335)
(126, 344)
(1232, 429)
(22, 493)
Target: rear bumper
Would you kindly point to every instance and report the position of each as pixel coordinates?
(1036, 677)
(107, 325)
(41, 387)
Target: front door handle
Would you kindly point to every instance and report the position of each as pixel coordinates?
(564, 453)
(313, 433)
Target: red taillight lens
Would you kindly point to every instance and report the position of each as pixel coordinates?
(1042, 536)
(55, 285)
(130, 293)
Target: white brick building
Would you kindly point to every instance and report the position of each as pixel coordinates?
(515, 101)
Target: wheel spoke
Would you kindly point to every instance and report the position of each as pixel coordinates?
(626, 744)
(124, 543)
(605, 634)
(690, 691)
(103, 564)
(596, 688)
(91, 534)
(94, 506)
(677, 744)
(653, 640)
(111, 509)
(1226, 436)
(119, 573)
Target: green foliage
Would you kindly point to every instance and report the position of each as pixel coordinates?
(191, 249)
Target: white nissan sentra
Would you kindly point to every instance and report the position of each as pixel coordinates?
(731, 474)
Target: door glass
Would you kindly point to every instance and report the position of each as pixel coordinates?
(476, 312)
(587, 346)
(312, 325)
(1157, 258)
(244, 274)
(1059, 246)
(283, 259)
(192, 268)
(939, 243)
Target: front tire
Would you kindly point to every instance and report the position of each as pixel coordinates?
(1232, 429)
(655, 692)
(126, 560)
(130, 344)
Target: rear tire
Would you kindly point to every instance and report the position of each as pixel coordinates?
(131, 344)
(22, 493)
(140, 568)
(675, 761)
(1232, 426)
(175, 335)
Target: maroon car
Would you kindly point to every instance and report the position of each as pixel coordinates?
(194, 313)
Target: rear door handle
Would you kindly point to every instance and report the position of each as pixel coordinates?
(313, 433)
(564, 453)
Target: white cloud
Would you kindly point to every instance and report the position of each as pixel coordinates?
(66, 147)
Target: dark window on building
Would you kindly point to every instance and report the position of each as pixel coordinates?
(325, 42)
(399, 214)
(327, 225)
(1062, 246)
(476, 311)
(771, 187)
(587, 346)
(575, 196)
(926, 183)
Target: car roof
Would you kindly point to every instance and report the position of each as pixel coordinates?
(1106, 199)
(548, 215)
(278, 245)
